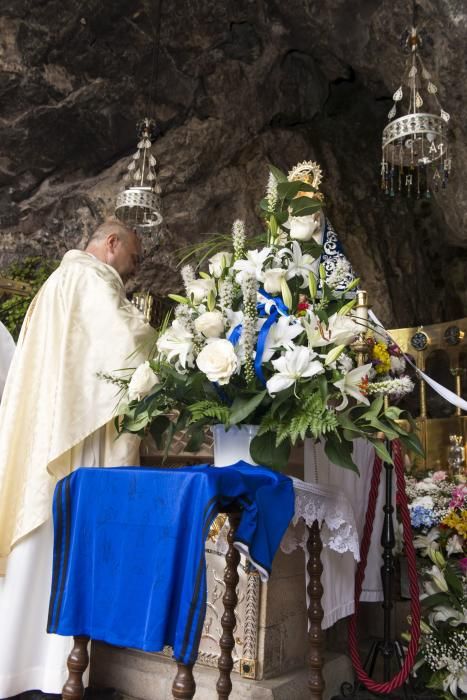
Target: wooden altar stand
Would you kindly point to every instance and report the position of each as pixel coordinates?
(184, 687)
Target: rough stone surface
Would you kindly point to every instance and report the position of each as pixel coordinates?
(148, 676)
(240, 84)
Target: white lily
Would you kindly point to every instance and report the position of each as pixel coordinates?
(427, 543)
(299, 264)
(251, 265)
(341, 330)
(455, 545)
(281, 335)
(176, 344)
(444, 613)
(293, 365)
(351, 385)
(438, 579)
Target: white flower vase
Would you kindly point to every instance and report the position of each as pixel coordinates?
(233, 445)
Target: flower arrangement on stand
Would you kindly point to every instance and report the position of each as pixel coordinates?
(262, 336)
(438, 509)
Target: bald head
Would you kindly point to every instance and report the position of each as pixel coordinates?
(117, 245)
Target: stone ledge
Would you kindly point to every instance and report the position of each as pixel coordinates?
(149, 677)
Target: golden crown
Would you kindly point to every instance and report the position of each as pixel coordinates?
(309, 171)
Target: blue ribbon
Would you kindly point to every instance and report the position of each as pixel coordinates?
(278, 303)
(262, 336)
(278, 308)
(234, 335)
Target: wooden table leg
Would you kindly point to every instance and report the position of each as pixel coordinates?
(77, 663)
(315, 612)
(184, 686)
(228, 622)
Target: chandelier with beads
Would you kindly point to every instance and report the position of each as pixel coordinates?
(415, 158)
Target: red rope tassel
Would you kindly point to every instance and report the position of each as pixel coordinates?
(415, 610)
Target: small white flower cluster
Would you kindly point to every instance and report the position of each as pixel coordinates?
(340, 274)
(249, 290)
(238, 238)
(395, 388)
(448, 655)
(226, 295)
(271, 192)
(188, 275)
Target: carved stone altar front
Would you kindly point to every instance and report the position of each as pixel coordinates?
(271, 618)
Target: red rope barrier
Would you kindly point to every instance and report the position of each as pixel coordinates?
(415, 610)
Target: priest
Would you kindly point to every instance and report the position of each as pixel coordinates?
(57, 414)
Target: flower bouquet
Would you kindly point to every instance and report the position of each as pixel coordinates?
(438, 510)
(263, 335)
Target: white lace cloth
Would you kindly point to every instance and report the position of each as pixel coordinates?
(332, 509)
(339, 535)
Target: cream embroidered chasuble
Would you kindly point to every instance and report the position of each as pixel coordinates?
(79, 324)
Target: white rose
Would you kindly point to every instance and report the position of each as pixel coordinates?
(219, 262)
(218, 361)
(143, 380)
(210, 324)
(304, 228)
(272, 280)
(200, 289)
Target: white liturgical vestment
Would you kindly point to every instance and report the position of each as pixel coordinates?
(7, 348)
(56, 414)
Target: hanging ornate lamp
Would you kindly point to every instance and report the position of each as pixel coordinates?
(416, 156)
(139, 204)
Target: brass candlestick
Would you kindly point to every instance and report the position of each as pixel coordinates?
(360, 315)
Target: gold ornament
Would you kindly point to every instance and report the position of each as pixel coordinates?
(309, 171)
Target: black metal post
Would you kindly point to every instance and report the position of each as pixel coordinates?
(385, 646)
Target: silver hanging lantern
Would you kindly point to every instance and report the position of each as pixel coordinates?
(415, 156)
(139, 204)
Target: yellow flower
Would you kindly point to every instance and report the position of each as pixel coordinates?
(381, 354)
(458, 522)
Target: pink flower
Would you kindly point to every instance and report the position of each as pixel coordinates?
(458, 497)
(463, 565)
(439, 476)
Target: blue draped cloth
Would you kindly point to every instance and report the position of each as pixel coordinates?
(129, 560)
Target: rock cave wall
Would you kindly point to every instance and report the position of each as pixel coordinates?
(241, 84)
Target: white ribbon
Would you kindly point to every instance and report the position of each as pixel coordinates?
(447, 394)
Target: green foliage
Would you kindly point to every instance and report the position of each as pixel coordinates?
(308, 417)
(264, 451)
(243, 406)
(209, 409)
(34, 270)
